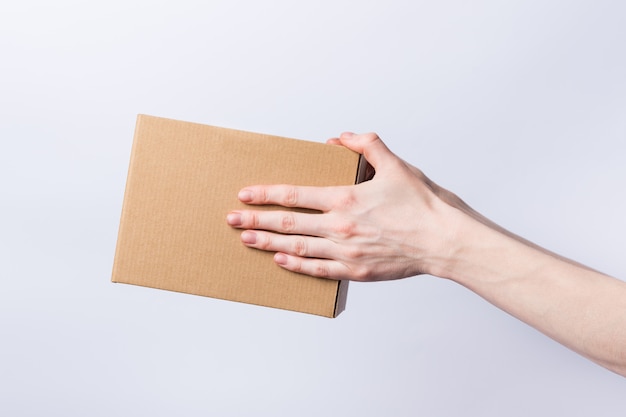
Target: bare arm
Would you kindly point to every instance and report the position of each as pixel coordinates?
(401, 224)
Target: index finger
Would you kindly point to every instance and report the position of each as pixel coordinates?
(315, 198)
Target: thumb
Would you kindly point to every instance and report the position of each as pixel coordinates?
(370, 146)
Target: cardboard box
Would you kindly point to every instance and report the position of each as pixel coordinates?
(184, 178)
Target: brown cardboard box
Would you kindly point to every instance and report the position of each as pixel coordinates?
(184, 178)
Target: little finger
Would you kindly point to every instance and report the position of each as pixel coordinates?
(315, 267)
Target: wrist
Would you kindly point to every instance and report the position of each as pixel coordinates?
(481, 253)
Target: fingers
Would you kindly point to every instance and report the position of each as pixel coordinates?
(367, 144)
(321, 268)
(302, 246)
(370, 146)
(285, 222)
(315, 198)
(302, 254)
(321, 198)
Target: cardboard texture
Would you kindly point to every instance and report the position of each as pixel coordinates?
(182, 181)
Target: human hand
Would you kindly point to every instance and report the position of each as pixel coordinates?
(401, 224)
(397, 225)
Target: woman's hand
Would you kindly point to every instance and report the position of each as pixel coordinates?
(401, 224)
(396, 225)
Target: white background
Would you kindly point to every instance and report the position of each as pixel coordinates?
(517, 106)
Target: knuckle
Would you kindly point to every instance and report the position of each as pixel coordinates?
(288, 222)
(345, 229)
(321, 270)
(371, 137)
(253, 220)
(353, 253)
(296, 266)
(300, 247)
(264, 196)
(361, 274)
(291, 197)
(264, 241)
(348, 200)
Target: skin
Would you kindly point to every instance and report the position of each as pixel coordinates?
(400, 224)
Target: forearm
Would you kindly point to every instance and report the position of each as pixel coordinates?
(401, 224)
(578, 307)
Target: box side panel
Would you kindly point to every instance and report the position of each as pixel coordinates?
(365, 171)
(182, 182)
(121, 230)
(342, 296)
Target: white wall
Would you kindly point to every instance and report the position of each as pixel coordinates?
(517, 106)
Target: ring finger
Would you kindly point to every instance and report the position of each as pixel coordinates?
(303, 246)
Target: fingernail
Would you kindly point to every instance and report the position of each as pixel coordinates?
(234, 219)
(280, 259)
(347, 135)
(245, 195)
(249, 238)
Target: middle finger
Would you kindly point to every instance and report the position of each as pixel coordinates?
(286, 222)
